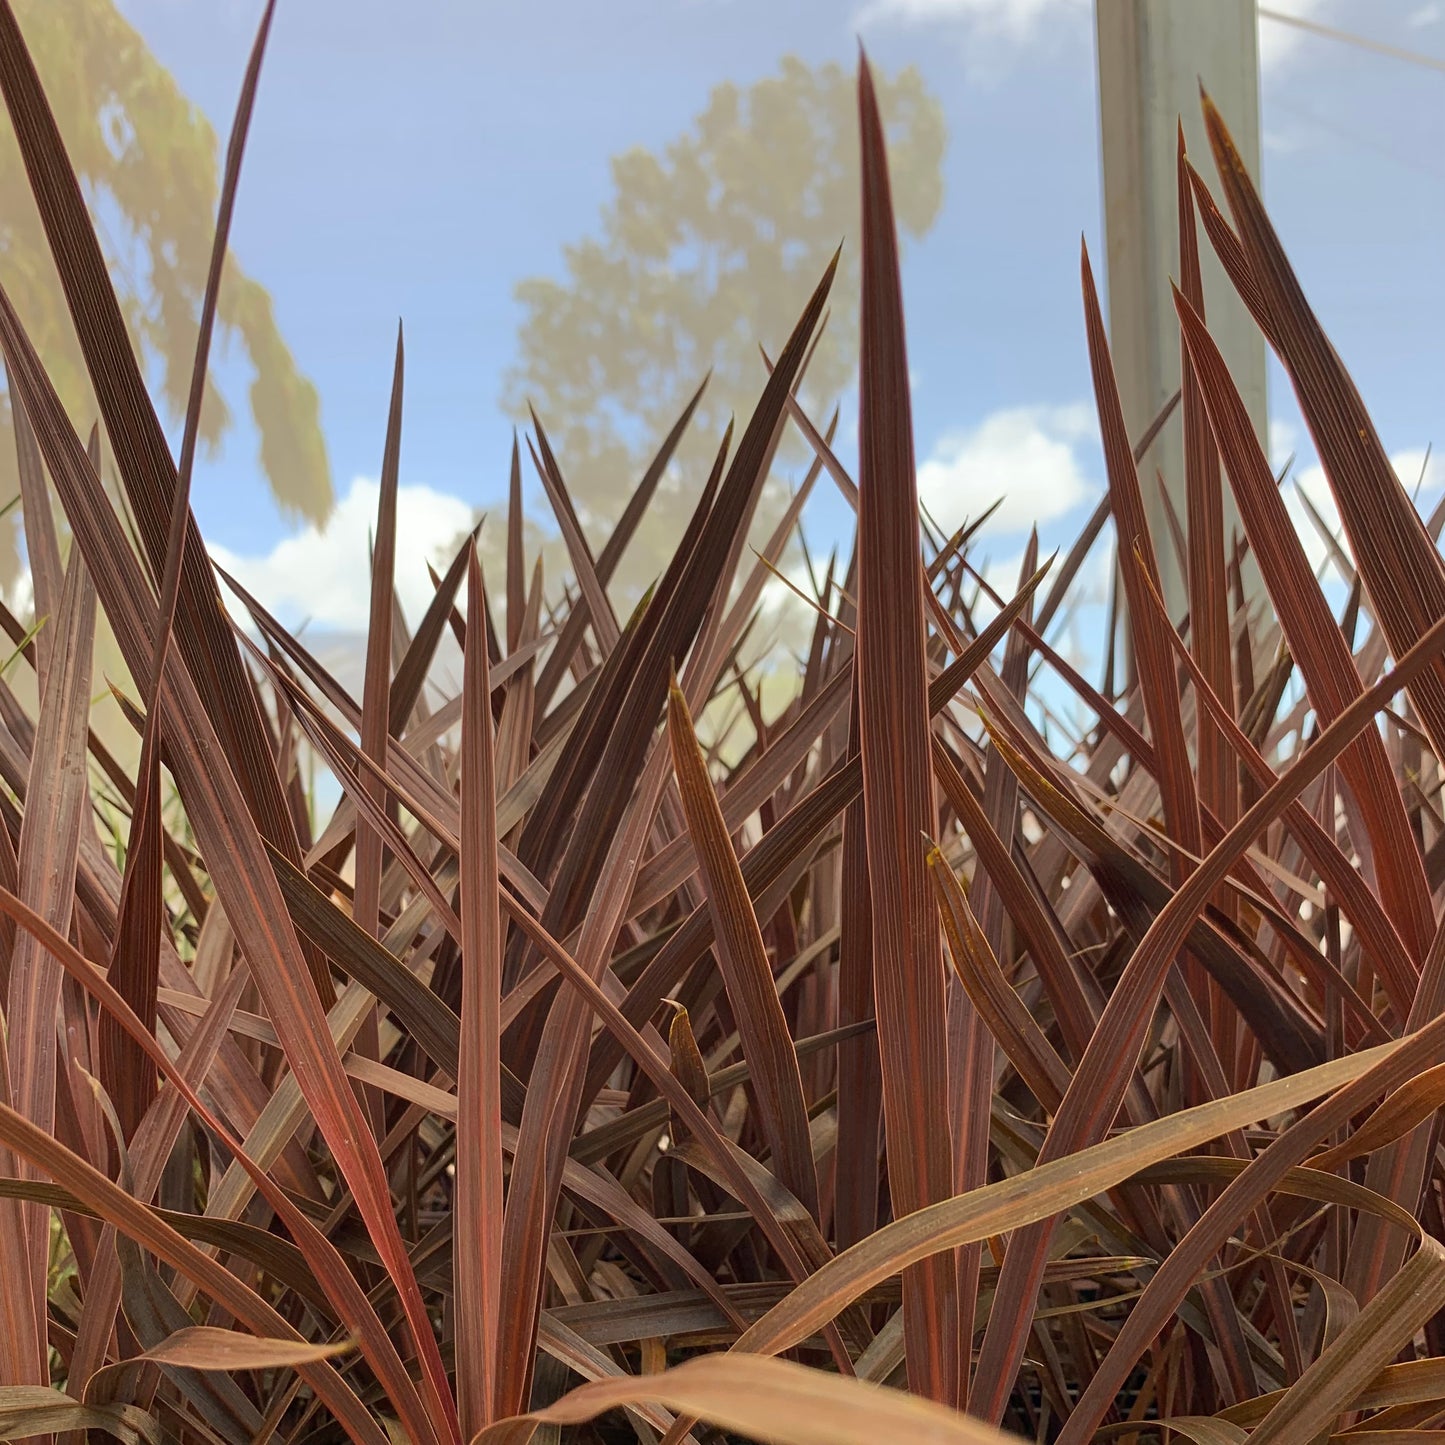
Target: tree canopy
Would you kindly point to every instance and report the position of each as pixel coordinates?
(704, 252)
(148, 160)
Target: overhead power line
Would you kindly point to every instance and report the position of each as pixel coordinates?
(1361, 42)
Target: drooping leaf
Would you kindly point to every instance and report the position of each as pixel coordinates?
(1034, 1195)
(1383, 1328)
(767, 1399)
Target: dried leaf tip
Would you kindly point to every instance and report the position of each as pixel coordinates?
(643, 603)
(1220, 139)
(688, 1066)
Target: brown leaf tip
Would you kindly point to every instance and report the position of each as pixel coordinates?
(1226, 153)
(675, 695)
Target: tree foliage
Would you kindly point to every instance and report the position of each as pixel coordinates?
(704, 252)
(148, 160)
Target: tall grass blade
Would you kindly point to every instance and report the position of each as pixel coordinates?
(776, 1082)
(376, 685)
(897, 782)
(135, 958)
(142, 458)
(478, 1217)
(57, 798)
(1401, 567)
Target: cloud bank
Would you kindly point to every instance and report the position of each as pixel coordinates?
(323, 574)
(1025, 458)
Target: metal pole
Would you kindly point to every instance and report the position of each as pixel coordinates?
(1152, 56)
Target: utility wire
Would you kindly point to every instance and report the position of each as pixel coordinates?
(1393, 52)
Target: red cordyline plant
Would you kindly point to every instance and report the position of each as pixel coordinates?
(908, 1071)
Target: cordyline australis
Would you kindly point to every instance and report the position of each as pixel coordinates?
(619, 1033)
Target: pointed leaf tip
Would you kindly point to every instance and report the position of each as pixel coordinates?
(832, 267)
(1226, 153)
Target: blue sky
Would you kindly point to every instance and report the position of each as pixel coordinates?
(419, 167)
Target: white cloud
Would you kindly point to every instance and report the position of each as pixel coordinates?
(324, 573)
(1431, 14)
(1025, 456)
